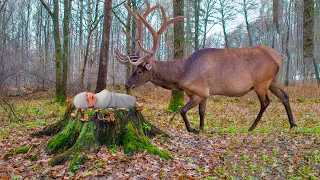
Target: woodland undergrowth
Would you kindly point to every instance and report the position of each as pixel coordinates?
(225, 149)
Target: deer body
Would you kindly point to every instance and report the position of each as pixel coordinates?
(228, 72)
(208, 72)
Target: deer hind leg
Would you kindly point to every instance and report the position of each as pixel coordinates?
(193, 101)
(284, 98)
(202, 112)
(264, 102)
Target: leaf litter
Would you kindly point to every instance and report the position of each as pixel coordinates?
(221, 152)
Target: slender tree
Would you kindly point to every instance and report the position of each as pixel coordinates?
(177, 96)
(275, 14)
(225, 11)
(104, 50)
(196, 23)
(246, 7)
(207, 19)
(92, 25)
(308, 39)
(58, 50)
(288, 23)
(66, 48)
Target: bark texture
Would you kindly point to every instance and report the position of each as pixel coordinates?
(176, 95)
(104, 51)
(80, 132)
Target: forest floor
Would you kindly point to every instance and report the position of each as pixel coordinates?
(225, 150)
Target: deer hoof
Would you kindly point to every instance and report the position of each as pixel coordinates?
(293, 125)
(251, 129)
(195, 131)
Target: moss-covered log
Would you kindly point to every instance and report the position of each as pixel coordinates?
(80, 132)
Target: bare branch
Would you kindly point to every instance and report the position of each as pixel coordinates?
(3, 5)
(47, 8)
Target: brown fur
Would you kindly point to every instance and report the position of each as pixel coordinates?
(229, 72)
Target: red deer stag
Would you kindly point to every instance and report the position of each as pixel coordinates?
(228, 72)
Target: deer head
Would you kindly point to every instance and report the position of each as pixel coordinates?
(143, 71)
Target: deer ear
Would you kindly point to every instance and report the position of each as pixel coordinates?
(148, 66)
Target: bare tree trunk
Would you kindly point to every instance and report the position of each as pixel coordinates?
(177, 96)
(225, 35)
(316, 62)
(132, 29)
(104, 51)
(246, 17)
(275, 21)
(308, 38)
(275, 10)
(87, 50)
(196, 24)
(188, 45)
(66, 48)
(40, 44)
(287, 79)
(57, 43)
(208, 12)
(81, 38)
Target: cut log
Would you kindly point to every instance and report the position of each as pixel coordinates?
(80, 132)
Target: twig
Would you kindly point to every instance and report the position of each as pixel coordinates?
(47, 8)
(174, 115)
(6, 77)
(116, 15)
(12, 110)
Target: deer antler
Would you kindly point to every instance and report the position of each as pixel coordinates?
(156, 34)
(136, 59)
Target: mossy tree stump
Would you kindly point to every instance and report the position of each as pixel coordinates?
(80, 132)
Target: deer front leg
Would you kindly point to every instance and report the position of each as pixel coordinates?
(193, 101)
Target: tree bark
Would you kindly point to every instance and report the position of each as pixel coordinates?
(65, 53)
(104, 51)
(133, 30)
(308, 39)
(196, 24)
(58, 50)
(81, 132)
(287, 79)
(246, 17)
(177, 96)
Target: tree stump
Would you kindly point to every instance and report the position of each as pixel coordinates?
(85, 131)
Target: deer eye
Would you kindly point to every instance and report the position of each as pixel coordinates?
(139, 72)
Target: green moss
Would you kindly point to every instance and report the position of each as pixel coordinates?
(103, 111)
(60, 96)
(35, 156)
(22, 150)
(87, 137)
(90, 112)
(60, 159)
(77, 161)
(7, 155)
(176, 101)
(132, 141)
(66, 137)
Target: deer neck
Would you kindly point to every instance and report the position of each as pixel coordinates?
(167, 73)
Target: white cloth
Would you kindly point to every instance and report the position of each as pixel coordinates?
(106, 99)
(80, 101)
